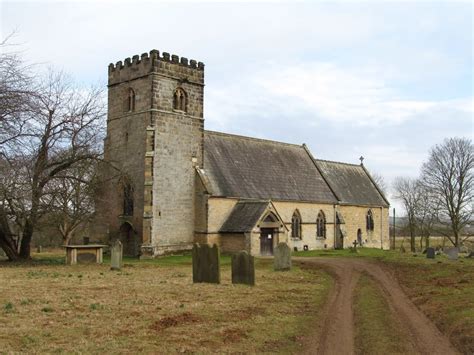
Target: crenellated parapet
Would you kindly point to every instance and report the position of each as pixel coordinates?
(154, 62)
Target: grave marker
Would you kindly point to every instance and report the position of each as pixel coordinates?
(282, 257)
(116, 253)
(243, 268)
(206, 267)
(452, 253)
(430, 253)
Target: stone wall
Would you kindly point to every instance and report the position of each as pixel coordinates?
(309, 213)
(355, 218)
(156, 149)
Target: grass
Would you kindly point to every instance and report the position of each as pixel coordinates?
(377, 331)
(441, 288)
(152, 305)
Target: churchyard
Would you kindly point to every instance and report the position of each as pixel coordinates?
(153, 305)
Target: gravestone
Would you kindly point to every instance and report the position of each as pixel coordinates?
(116, 253)
(282, 257)
(243, 268)
(470, 255)
(39, 249)
(430, 253)
(452, 253)
(206, 267)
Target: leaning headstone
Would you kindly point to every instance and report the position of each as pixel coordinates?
(430, 253)
(116, 253)
(452, 253)
(206, 267)
(282, 257)
(243, 268)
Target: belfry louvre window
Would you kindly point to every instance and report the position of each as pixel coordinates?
(296, 225)
(369, 221)
(130, 100)
(180, 100)
(321, 225)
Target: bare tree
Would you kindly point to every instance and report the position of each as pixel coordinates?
(380, 182)
(71, 197)
(63, 128)
(408, 191)
(448, 173)
(426, 214)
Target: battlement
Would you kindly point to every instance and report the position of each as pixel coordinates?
(154, 61)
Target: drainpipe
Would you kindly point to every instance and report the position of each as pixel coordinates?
(381, 228)
(335, 226)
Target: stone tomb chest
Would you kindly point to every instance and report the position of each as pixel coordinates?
(91, 253)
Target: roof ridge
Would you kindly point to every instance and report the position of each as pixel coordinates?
(337, 162)
(253, 138)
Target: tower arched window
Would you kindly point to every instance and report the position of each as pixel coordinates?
(131, 100)
(321, 225)
(127, 200)
(180, 100)
(369, 221)
(296, 225)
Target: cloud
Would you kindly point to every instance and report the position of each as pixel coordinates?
(325, 91)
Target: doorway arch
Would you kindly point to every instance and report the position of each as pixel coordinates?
(129, 240)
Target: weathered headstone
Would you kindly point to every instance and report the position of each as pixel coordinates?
(452, 253)
(243, 268)
(430, 253)
(282, 257)
(116, 253)
(470, 255)
(39, 249)
(206, 267)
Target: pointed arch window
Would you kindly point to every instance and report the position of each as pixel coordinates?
(180, 100)
(296, 225)
(321, 225)
(131, 100)
(369, 221)
(127, 200)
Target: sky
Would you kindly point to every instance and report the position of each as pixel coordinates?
(383, 80)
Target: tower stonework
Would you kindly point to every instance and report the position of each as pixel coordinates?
(154, 142)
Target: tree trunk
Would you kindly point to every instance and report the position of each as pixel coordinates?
(9, 250)
(25, 247)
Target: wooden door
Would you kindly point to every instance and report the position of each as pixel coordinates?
(266, 241)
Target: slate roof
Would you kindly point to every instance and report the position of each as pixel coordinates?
(351, 183)
(253, 168)
(244, 216)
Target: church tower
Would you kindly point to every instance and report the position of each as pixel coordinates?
(154, 142)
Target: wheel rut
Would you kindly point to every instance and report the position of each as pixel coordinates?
(334, 330)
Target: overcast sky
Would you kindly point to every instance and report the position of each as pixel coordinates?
(385, 80)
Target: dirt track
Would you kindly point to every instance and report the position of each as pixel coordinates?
(336, 328)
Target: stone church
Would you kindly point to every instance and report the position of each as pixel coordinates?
(170, 183)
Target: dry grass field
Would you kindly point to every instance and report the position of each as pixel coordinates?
(153, 306)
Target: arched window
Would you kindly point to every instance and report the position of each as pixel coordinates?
(296, 225)
(180, 100)
(321, 225)
(369, 221)
(127, 200)
(131, 100)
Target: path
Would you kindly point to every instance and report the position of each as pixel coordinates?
(336, 333)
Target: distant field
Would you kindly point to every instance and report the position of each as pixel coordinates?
(153, 306)
(434, 242)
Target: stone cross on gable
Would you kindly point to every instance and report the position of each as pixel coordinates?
(361, 160)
